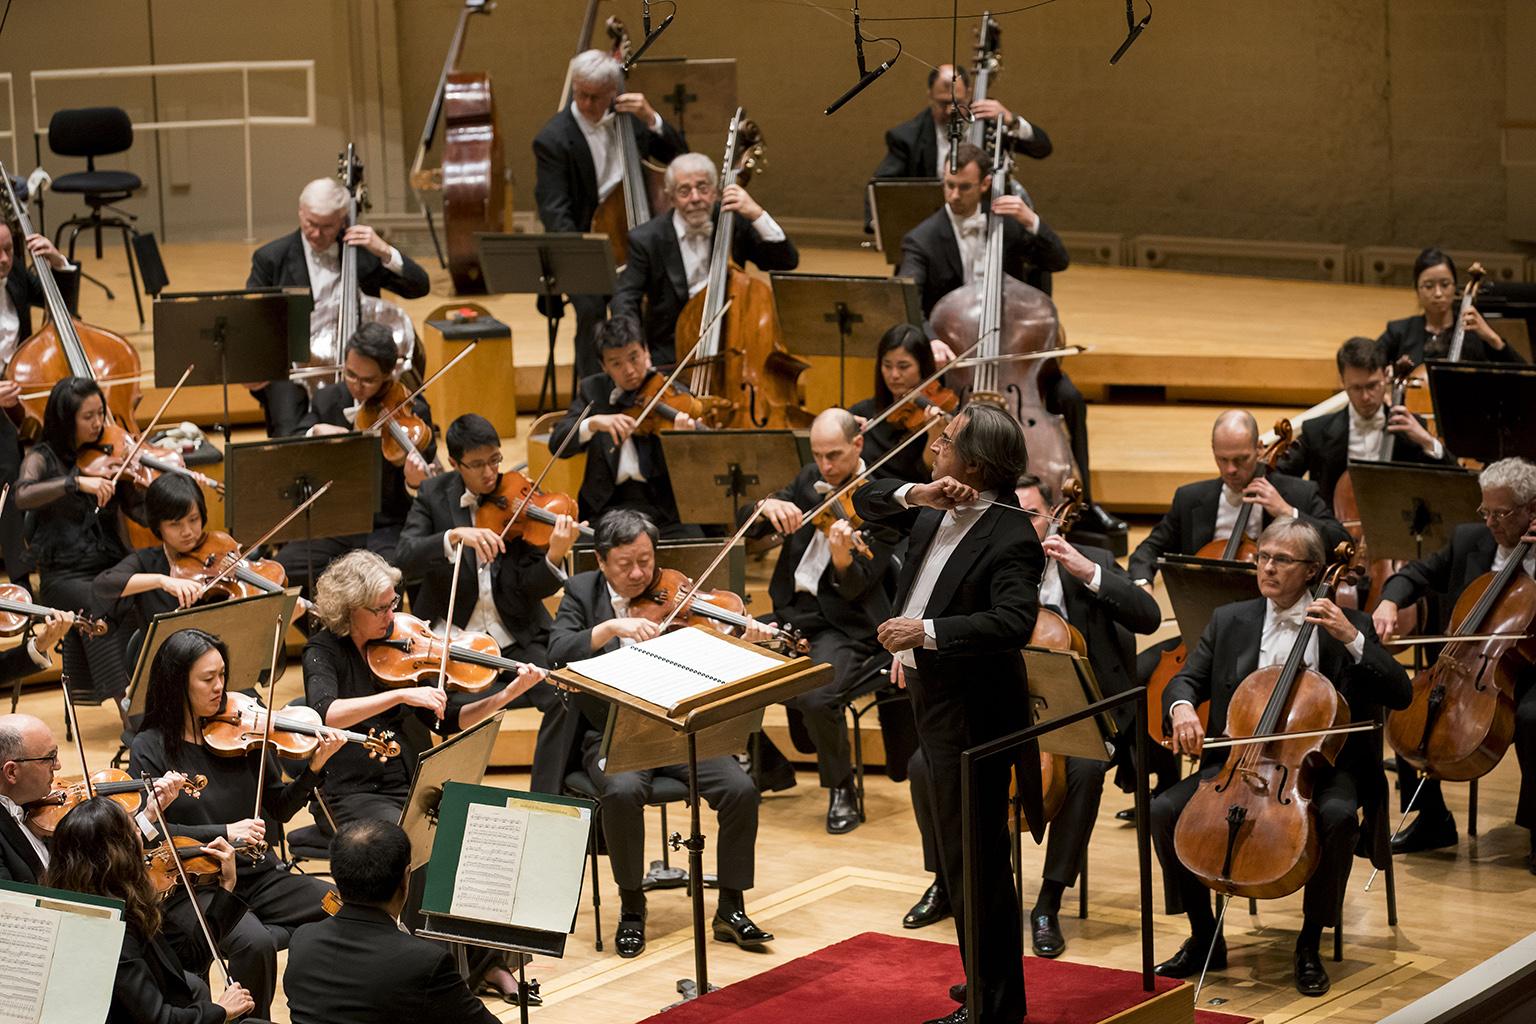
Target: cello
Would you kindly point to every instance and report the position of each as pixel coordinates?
(473, 175)
(642, 193)
(744, 374)
(1347, 511)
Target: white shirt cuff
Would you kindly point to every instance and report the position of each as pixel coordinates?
(656, 122)
(1436, 450)
(584, 431)
(1098, 579)
(396, 262)
(447, 546)
(148, 828)
(1022, 129)
(1176, 704)
(1356, 647)
(559, 572)
(1295, 512)
(39, 658)
(930, 638)
(767, 228)
(901, 495)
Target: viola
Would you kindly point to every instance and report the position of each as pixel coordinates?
(536, 511)
(674, 401)
(404, 434)
(241, 727)
(412, 653)
(723, 611)
(251, 577)
(202, 868)
(43, 816)
(933, 395)
(1250, 830)
(1347, 511)
(17, 611)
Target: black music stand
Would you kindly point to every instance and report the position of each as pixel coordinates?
(829, 314)
(1198, 586)
(690, 557)
(1408, 508)
(266, 480)
(253, 333)
(717, 472)
(550, 266)
(1484, 411)
(896, 206)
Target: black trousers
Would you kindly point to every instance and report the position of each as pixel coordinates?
(591, 310)
(298, 557)
(1062, 398)
(96, 666)
(856, 666)
(1337, 804)
(622, 797)
(283, 405)
(384, 805)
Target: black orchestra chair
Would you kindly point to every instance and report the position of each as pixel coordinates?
(91, 132)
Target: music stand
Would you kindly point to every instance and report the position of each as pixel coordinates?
(829, 314)
(896, 206)
(1060, 684)
(253, 333)
(716, 472)
(696, 96)
(549, 266)
(266, 480)
(1408, 508)
(1484, 411)
(1198, 586)
(462, 758)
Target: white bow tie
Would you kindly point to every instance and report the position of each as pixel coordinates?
(703, 234)
(821, 487)
(1376, 422)
(1293, 616)
(972, 228)
(469, 499)
(351, 413)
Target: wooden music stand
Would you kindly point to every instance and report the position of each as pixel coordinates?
(843, 315)
(642, 735)
(717, 473)
(1198, 586)
(697, 97)
(1407, 508)
(896, 206)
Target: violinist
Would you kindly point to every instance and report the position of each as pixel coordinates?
(1508, 515)
(669, 255)
(949, 249)
(311, 258)
(578, 162)
(829, 584)
(187, 686)
(73, 529)
(903, 359)
(1085, 586)
(625, 465)
(595, 617)
(141, 586)
(1428, 335)
(370, 365)
(1366, 429)
(161, 967)
(1252, 634)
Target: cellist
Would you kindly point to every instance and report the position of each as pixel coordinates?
(1252, 634)
(1427, 335)
(1508, 515)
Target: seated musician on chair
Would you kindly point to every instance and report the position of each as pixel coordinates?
(1366, 429)
(949, 250)
(311, 257)
(625, 467)
(1508, 517)
(1241, 638)
(835, 595)
(594, 618)
(669, 255)
(1091, 592)
(903, 360)
(1428, 335)
(370, 366)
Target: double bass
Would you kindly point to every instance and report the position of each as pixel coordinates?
(981, 131)
(473, 175)
(642, 193)
(743, 372)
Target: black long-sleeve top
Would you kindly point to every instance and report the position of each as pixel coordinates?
(153, 985)
(886, 435)
(133, 612)
(67, 532)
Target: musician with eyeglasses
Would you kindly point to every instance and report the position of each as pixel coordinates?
(1428, 334)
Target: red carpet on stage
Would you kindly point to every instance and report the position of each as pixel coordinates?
(883, 979)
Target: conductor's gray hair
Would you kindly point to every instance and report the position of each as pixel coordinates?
(324, 196)
(596, 68)
(992, 440)
(1516, 474)
(691, 163)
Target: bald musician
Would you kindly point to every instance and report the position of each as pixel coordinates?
(919, 148)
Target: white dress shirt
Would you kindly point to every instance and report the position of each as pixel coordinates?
(1227, 508)
(629, 455)
(971, 237)
(620, 611)
(696, 244)
(10, 326)
(1503, 555)
(484, 618)
(603, 143)
(1051, 594)
(818, 553)
(1368, 438)
(15, 810)
(956, 524)
(1022, 130)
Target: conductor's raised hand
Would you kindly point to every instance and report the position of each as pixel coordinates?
(1188, 733)
(785, 516)
(429, 697)
(944, 493)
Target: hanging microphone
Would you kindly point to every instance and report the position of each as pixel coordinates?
(650, 37)
(1133, 26)
(866, 76)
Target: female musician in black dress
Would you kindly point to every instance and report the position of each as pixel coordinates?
(141, 586)
(186, 686)
(903, 360)
(1428, 335)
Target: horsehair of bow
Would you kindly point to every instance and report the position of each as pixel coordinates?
(405, 403)
(725, 549)
(453, 593)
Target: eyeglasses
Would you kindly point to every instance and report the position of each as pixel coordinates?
(1495, 515)
(52, 757)
(685, 191)
(943, 441)
(364, 381)
(494, 462)
(385, 609)
(1280, 561)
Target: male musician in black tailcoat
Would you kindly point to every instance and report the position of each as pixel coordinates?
(949, 250)
(578, 163)
(1365, 429)
(594, 618)
(311, 258)
(669, 255)
(965, 603)
(1508, 517)
(1084, 586)
(1241, 638)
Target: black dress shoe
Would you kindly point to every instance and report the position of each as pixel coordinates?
(959, 1016)
(1190, 958)
(1045, 936)
(932, 906)
(957, 992)
(629, 939)
(1311, 979)
(1095, 518)
(737, 927)
(842, 810)
(1426, 834)
(1128, 814)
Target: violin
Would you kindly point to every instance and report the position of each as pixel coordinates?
(251, 577)
(674, 401)
(723, 611)
(536, 511)
(202, 868)
(1250, 830)
(842, 510)
(933, 395)
(241, 727)
(17, 611)
(1462, 717)
(43, 816)
(412, 654)
(103, 456)
(404, 434)
(1420, 401)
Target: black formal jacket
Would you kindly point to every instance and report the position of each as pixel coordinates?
(1322, 452)
(1190, 521)
(1107, 620)
(26, 290)
(565, 180)
(1447, 571)
(18, 861)
(280, 263)
(601, 476)
(520, 579)
(394, 496)
(654, 285)
(359, 966)
(1408, 336)
(912, 149)
(930, 255)
(152, 974)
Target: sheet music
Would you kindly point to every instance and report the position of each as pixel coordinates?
(485, 886)
(27, 936)
(674, 667)
(554, 860)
